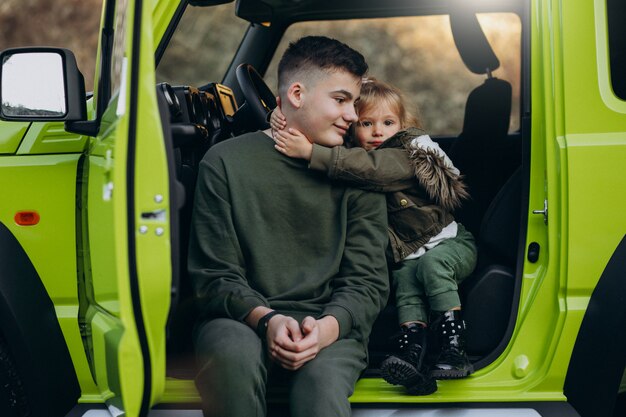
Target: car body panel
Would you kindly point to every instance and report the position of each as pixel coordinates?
(11, 135)
(48, 138)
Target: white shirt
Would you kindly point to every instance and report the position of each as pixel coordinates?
(447, 232)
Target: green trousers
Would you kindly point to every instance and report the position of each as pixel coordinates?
(235, 372)
(430, 282)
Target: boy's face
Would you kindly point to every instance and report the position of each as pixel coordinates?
(327, 109)
(376, 124)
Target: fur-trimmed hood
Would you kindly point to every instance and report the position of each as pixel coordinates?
(433, 169)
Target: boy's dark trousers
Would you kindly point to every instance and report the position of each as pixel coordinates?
(235, 369)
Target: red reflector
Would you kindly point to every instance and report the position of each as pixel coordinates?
(26, 218)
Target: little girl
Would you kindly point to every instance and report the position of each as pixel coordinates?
(432, 252)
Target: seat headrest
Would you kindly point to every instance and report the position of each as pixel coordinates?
(488, 110)
(471, 42)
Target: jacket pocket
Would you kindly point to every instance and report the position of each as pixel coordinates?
(408, 220)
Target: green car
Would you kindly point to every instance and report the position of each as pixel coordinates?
(528, 98)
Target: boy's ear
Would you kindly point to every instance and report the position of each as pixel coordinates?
(295, 95)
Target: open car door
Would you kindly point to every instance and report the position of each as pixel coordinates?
(126, 219)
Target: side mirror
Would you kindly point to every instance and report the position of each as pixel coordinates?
(41, 84)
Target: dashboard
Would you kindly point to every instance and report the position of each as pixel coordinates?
(199, 117)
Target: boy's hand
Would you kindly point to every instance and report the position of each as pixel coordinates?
(293, 144)
(294, 355)
(283, 336)
(317, 334)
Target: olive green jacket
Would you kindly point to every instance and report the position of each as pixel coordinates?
(422, 185)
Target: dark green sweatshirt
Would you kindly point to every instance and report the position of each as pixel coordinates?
(266, 231)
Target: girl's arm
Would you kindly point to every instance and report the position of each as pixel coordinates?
(382, 170)
(393, 169)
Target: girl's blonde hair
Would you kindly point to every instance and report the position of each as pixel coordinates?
(375, 92)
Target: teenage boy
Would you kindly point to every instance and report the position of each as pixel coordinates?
(288, 268)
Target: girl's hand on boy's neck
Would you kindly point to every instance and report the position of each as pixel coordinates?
(293, 143)
(289, 141)
(278, 121)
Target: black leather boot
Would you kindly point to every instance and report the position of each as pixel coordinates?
(407, 367)
(452, 362)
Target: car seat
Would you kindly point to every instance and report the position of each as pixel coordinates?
(483, 152)
(487, 295)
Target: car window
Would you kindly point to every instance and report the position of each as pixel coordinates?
(616, 12)
(195, 54)
(118, 58)
(418, 55)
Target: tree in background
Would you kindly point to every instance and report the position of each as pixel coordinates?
(71, 24)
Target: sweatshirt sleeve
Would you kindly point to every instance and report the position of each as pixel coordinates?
(382, 170)
(361, 287)
(217, 271)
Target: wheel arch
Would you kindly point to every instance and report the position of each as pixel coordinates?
(30, 329)
(599, 356)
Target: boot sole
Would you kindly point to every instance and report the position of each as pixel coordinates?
(425, 387)
(451, 373)
(398, 372)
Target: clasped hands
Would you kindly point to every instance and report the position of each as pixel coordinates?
(292, 344)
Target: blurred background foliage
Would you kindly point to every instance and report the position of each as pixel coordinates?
(71, 24)
(416, 54)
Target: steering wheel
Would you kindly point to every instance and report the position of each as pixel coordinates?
(259, 98)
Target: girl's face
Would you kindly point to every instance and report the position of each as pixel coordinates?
(376, 124)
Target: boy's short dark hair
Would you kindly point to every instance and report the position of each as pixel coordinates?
(319, 52)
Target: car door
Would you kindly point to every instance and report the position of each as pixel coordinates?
(125, 217)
